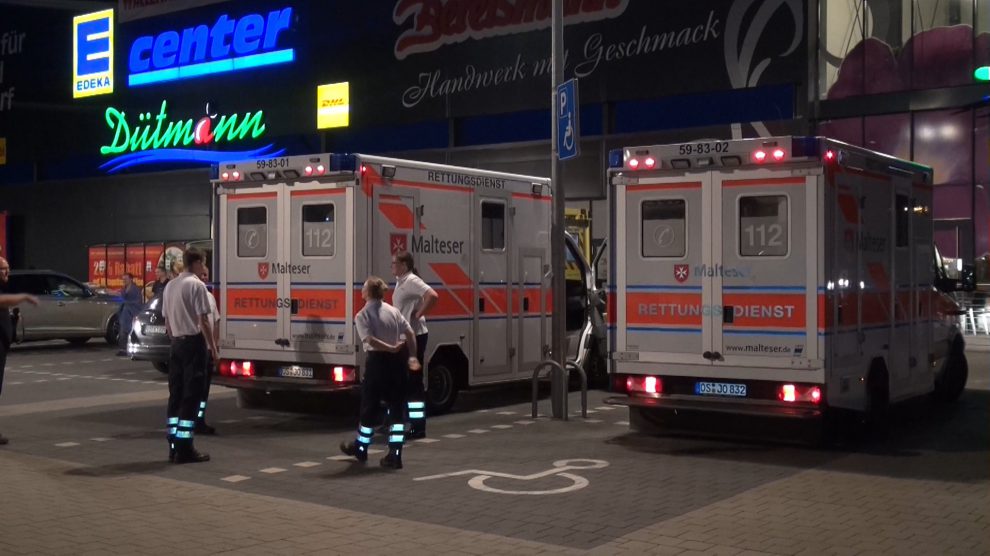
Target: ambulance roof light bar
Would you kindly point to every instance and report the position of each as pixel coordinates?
(290, 167)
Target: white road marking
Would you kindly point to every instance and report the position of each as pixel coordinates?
(235, 478)
(258, 417)
(605, 408)
(229, 421)
(590, 411)
(306, 464)
(41, 380)
(15, 383)
(27, 366)
(478, 431)
(483, 411)
(66, 378)
(48, 364)
(341, 458)
(101, 439)
(87, 361)
(107, 359)
(525, 422)
(592, 420)
(426, 440)
(272, 470)
(501, 426)
(506, 413)
(622, 423)
(67, 444)
(453, 436)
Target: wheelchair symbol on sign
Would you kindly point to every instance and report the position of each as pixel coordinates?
(560, 469)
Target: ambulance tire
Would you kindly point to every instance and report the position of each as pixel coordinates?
(951, 382)
(877, 416)
(442, 385)
(251, 399)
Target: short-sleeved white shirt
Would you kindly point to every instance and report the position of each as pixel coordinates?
(184, 301)
(408, 296)
(381, 320)
(214, 311)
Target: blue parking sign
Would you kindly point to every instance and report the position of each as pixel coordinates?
(568, 145)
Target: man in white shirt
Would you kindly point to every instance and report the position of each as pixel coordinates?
(414, 299)
(186, 307)
(201, 426)
(381, 328)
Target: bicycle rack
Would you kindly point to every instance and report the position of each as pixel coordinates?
(566, 373)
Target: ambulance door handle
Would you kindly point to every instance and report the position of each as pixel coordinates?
(526, 304)
(294, 307)
(708, 355)
(717, 357)
(481, 304)
(727, 314)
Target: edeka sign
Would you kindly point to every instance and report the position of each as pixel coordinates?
(154, 138)
(92, 54)
(230, 44)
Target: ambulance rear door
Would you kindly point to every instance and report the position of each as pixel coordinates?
(319, 267)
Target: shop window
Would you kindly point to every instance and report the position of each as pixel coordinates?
(664, 227)
(492, 226)
(318, 230)
(763, 226)
(252, 232)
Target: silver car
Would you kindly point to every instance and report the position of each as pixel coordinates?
(67, 310)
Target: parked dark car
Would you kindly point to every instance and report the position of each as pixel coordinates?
(149, 341)
(67, 309)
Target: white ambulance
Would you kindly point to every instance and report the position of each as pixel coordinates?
(297, 237)
(779, 277)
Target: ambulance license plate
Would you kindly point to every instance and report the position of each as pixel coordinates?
(720, 389)
(295, 371)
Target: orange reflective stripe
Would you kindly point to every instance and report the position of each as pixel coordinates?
(248, 196)
(319, 303)
(765, 182)
(663, 308)
(763, 310)
(314, 192)
(251, 302)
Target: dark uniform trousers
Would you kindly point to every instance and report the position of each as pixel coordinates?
(207, 380)
(384, 381)
(187, 362)
(416, 392)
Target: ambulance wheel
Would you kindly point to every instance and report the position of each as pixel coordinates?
(441, 388)
(250, 399)
(951, 382)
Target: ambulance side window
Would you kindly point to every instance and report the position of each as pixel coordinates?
(903, 219)
(664, 229)
(252, 232)
(763, 226)
(318, 230)
(492, 226)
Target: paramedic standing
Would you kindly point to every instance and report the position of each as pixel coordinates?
(186, 306)
(201, 426)
(414, 299)
(381, 328)
(8, 300)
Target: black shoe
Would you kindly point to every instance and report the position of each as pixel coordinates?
(350, 449)
(190, 455)
(203, 428)
(415, 434)
(3, 440)
(391, 461)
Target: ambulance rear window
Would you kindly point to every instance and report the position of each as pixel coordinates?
(317, 230)
(763, 226)
(252, 232)
(664, 227)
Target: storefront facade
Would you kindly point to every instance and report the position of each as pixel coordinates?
(460, 82)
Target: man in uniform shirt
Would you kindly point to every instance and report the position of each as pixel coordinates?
(414, 299)
(186, 307)
(381, 328)
(8, 300)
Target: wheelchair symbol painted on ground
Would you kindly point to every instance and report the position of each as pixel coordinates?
(560, 469)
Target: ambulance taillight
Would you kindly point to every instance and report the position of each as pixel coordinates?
(794, 393)
(637, 384)
(342, 375)
(236, 368)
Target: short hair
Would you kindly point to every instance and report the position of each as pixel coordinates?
(376, 287)
(128, 275)
(192, 256)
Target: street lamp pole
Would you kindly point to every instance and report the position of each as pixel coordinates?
(558, 261)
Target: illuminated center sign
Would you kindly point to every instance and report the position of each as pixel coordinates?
(155, 138)
(92, 54)
(230, 44)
